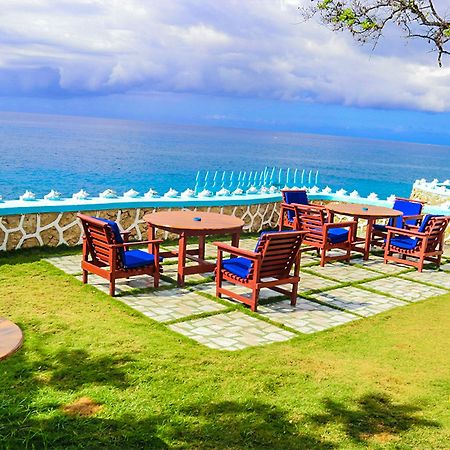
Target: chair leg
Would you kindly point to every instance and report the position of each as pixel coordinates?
(322, 258)
(294, 294)
(156, 278)
(85, 276)
(112, 287)
(218, 283)
(255, 296)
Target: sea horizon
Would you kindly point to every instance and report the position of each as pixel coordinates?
(40, 152)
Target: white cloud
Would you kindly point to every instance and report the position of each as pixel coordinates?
(253, 49)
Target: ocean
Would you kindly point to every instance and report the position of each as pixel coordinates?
(43, 152)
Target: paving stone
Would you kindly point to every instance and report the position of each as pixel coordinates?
(210, 288)
(404, 289)
(171, 271)
(358, 301)
(377, 263)
(343, 272)
(70, 264)
(309, 282)
(445, 266)
(306, 316)
(437, 278)
(231, 331)
(172, 304)
(123, 285)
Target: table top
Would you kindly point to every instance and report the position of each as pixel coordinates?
(363, 211)
(185, 220)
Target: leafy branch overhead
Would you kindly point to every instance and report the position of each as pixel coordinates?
(366, 19)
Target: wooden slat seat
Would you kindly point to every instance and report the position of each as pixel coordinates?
(106, 253)
(269, 266)
(324, 235)
(424, 244)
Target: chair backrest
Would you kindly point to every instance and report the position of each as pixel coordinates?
(435, 227)
(312, 218)
(99, 234)
(409, 207)
(279, 252)
(297, 196)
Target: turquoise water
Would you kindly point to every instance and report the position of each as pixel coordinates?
(40, 153)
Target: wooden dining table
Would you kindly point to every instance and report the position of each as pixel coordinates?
(193, 223)
(370, 213)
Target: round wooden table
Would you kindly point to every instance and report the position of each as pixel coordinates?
(11, 338)
(365, 212)
(193, 223)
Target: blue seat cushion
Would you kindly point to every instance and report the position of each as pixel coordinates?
(336, 235)
(137, 258)
(238, 266)
(404, 242)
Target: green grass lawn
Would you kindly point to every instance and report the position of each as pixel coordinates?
(93, 373)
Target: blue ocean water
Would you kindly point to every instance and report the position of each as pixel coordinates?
(43, 152)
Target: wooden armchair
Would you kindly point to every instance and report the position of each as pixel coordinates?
(412, 215)
(291, 197)
(267, 267)
(324, 235)
(107, 254)
(424, 244)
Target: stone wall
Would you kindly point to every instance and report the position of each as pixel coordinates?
(53, 229)
(431, 198)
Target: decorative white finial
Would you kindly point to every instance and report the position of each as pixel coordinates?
(314, 190)
(252, 190)
(28, 196)
(354, 194)
(171, 193)
(108, 193)
(391, 198)
(53, 195)
(223, 192)
(327, 190)
(80, 195)
(131, 194)
(373, 196)
(151, 193)
(205, 193)
(188, 193)
(341, 192)
(238, 191)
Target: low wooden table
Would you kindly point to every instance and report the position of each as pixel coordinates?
(366, 212)
(11, 338)
(187, 224)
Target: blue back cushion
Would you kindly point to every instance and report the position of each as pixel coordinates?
(425, 221)
(299, 197)
(408, 209)
(116, 231)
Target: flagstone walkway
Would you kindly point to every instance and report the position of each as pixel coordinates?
(329, 296)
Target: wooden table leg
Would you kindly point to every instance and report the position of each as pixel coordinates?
(181, 259)
(368, 238)
(201, 247)
(235, 239)
(151, 237)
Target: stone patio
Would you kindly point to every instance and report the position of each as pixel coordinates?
(325, 301)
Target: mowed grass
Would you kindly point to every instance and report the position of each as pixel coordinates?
(95, 374)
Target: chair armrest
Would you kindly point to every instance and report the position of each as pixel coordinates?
(415, 216)
(405, 232)
(129, 244)
(221, 247)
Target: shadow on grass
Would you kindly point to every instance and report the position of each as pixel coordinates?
(374, 417)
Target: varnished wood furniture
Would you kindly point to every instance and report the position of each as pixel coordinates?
(324, 235)
(193, 223)
(107, 255)
(291, 197)
(411, 216)
(11, 338)
(269, 266)
(424, 244)
(365, 212)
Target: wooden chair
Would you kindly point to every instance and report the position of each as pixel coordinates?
(291, 197)
(424, 244)
(324, 235)
(267, 267)
(106, 254)
(412, 215)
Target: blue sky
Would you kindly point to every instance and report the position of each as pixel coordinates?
(248, 64)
